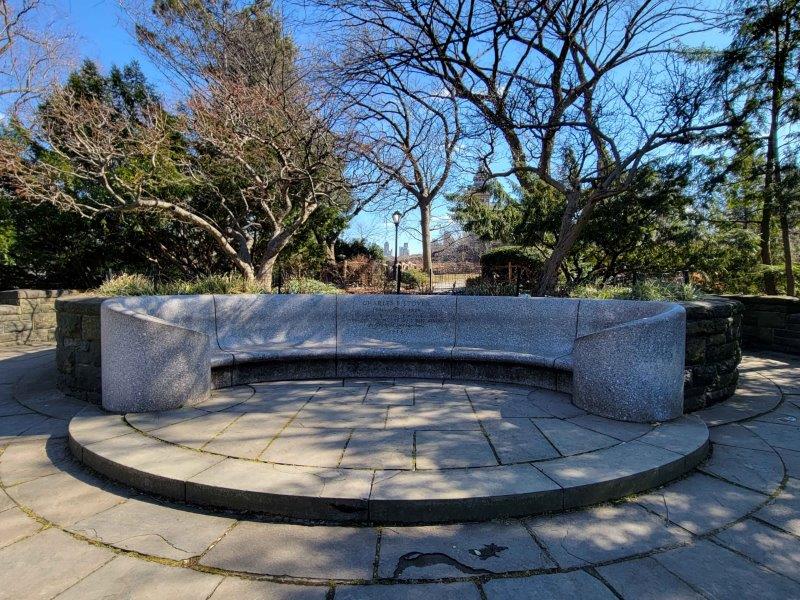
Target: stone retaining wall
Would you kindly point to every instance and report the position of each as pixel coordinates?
(712, 349)
(28, 317)
(78, 347)
(771, 323)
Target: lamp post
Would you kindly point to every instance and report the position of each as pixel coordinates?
(396, 220)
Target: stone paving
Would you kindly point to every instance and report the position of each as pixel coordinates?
(730, 529)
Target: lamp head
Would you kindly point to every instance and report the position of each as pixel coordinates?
(396, 217)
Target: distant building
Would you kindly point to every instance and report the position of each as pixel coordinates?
(387, 250)
(404, 250)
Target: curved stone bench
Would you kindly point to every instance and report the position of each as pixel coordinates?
(619, 359)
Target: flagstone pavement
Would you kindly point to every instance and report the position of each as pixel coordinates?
(729, 529)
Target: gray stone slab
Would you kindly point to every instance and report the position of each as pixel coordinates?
(758, 470)
(518, 440)
(511, 408)
(350, 394)
(67, 497)
(624, 469)
(754, 396)
(646, 579)
(299, 492)
(248, 589)
(569, 438)
(604, 533)
(683, 435)
(577, 584)
(369, 448)
(68, 561)
(397, 395)
(227, 398)
(134, 579)
(93, 425)
(737, 435)
(777, 436)
(28, 460)
(197, 432)
(784, 511)
(321, 416)
(785, 414)
(453, 449)
(701, 503)
(433, 396)
(424, 591)
(383, 325)
(791, 460)
(37, 391)
(152, 421)
(774, 549)
(153, 528)
(15, 525)
(462, 494)
(147, 464)
(443, 417)
(439, 551)
(277, 549)
(620, 430)
(12, 407)
(249, 435)
(5, 501)
(719, 573)
(307, 446)
(17, 425)
(556, 404)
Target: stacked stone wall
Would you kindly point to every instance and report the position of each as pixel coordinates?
(78, 347)
(771, 323)
(713, 351)
(28, 317)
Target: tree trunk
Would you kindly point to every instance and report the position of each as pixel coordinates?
(265, 271)
(772, 175)
(567, 236)
(787, 253)
(425, 230)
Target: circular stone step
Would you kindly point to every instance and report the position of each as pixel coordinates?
(386, 451)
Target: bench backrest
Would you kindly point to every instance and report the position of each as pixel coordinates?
(528, 325)
(387, 320)
(191, 312)
(596, 315)
(264, 319)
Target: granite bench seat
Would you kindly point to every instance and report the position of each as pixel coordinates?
(619, 359)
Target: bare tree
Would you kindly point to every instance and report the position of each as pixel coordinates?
(409, 135)
(252, 139)
(571, 93)
(33, 52)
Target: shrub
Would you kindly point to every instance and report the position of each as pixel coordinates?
(126, 285)
(306, 285)
(414, 278)
(139, 285)
(478, 287)
(650, 289)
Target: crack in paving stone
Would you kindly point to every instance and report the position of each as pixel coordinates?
(429, 559)
(488, 551)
